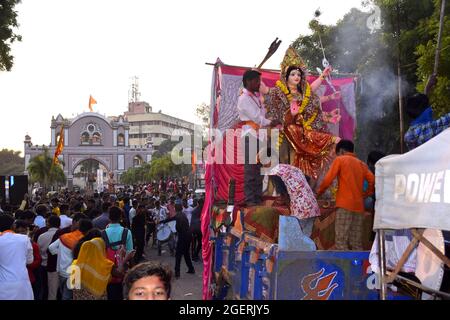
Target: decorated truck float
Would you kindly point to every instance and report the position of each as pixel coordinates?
(261, 252)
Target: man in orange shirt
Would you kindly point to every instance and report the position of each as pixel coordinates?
(351, 173)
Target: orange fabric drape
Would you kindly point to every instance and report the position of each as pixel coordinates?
(60, 146)
(71, 239)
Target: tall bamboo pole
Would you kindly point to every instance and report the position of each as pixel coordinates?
(439, 41)
(399, 77)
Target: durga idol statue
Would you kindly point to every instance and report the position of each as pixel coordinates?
(294, 102)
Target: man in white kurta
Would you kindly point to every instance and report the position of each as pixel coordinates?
(15, 253)
(252, 116)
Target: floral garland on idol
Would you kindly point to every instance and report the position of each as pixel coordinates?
(302, 106)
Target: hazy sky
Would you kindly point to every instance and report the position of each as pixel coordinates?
(74, 48)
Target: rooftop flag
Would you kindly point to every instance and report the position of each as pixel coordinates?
(91, 102)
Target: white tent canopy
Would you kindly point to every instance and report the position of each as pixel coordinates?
(413, 189)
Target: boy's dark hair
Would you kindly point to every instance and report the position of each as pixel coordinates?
(115, 214)
(147, 269)
(6, 222)
(250, 75)
(345, 145)
(54, 221)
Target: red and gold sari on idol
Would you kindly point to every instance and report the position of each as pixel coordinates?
(307, 132)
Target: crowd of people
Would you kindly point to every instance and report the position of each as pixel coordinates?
(74, 246)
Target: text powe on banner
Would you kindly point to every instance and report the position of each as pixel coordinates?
(413, 189)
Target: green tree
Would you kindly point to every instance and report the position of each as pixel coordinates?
(165, 148)
(401, 31)
(129, 176)
(161, 167)
(11, 163)
(8, 22)
(351, 47)
(42, 170)
(425, 52)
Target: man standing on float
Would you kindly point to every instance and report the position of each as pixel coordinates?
(252, 115)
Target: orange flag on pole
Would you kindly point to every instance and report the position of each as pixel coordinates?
(91, 102)
(60, 146)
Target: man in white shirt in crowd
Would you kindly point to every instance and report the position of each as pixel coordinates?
(190, 201)
(65, 220)
(43, 241)
(161, 213)
(252, 115)
(187, 210)
(15, 253)
(63, 247)
(133, 212)
(41, 211)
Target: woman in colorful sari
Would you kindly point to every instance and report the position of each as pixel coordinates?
(93, 268)
(293, 101)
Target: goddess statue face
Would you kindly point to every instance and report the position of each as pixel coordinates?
(295, 76)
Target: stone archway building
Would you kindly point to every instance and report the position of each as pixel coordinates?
(92, 136)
